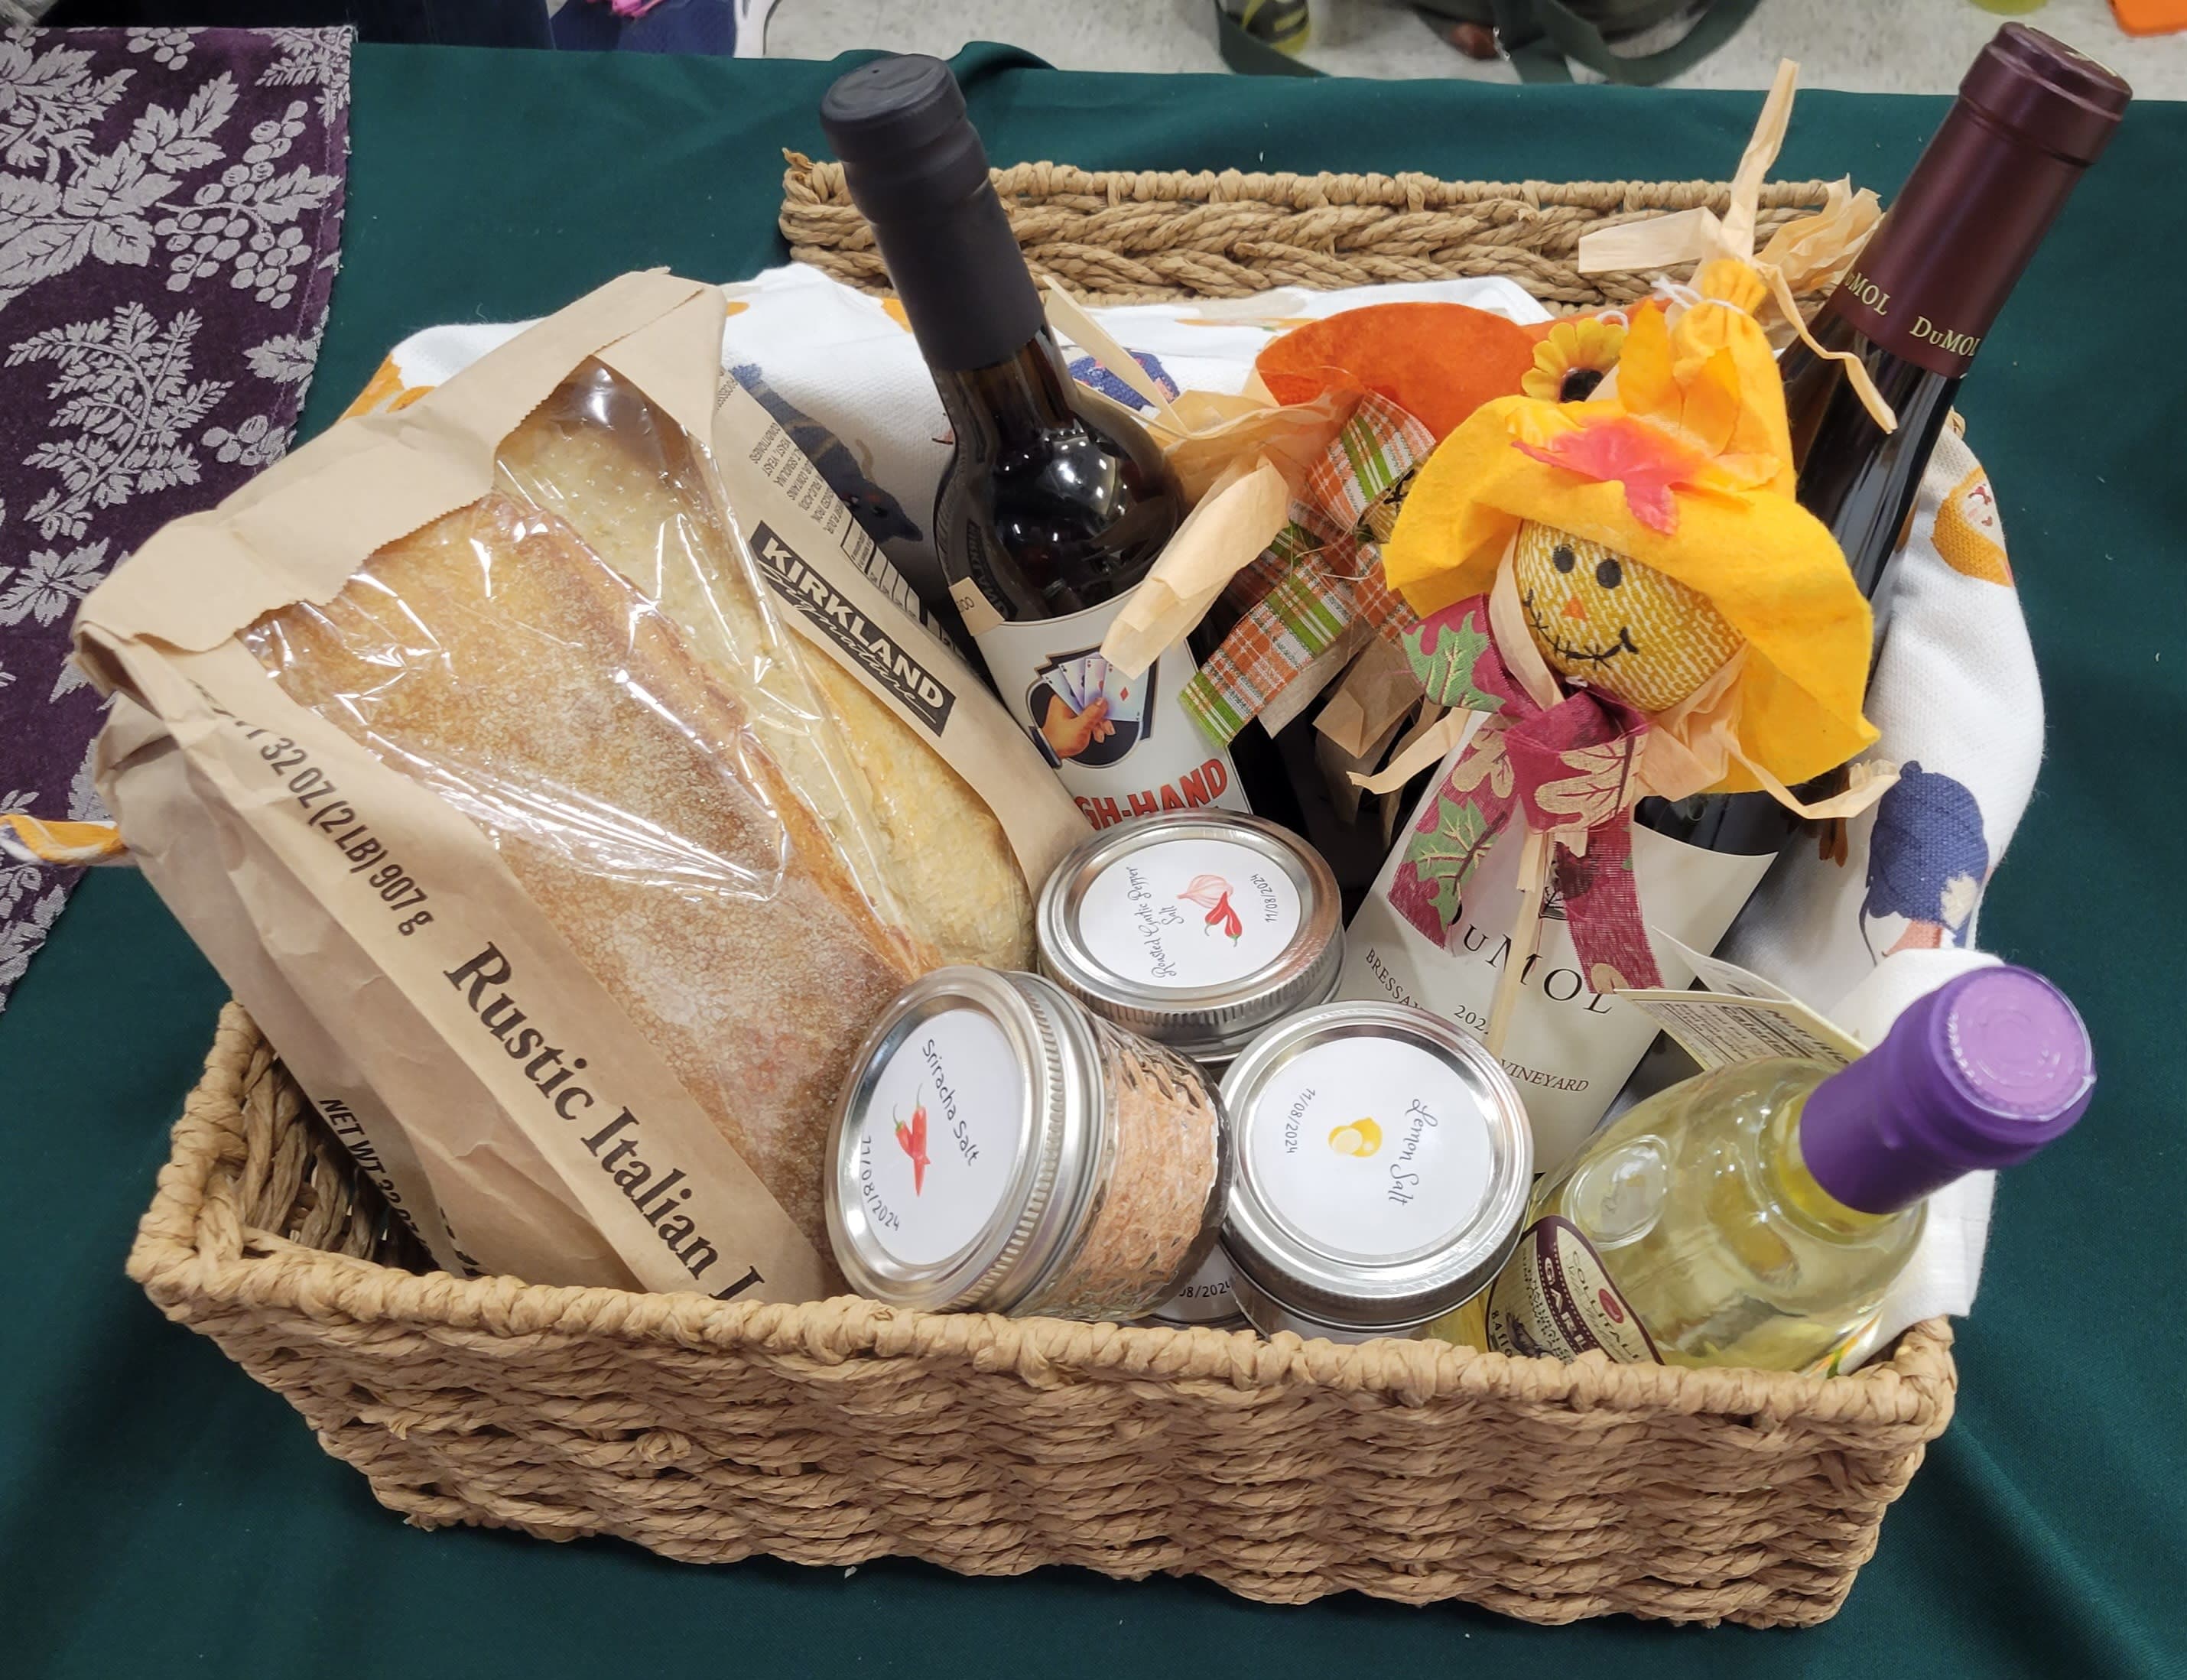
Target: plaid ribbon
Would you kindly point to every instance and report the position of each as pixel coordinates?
(1323, 573)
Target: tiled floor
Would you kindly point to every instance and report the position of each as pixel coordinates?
(1880, 46)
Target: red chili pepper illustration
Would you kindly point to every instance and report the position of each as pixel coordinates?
(912, 1140)
(1212, 894)
(1227, 917)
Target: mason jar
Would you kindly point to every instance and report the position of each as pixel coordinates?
(997, 1149)
(1382, 1164)
(1208, 1297)
(1196, 929)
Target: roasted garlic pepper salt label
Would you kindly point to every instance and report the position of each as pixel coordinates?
(1189, 914)
(1196, 929)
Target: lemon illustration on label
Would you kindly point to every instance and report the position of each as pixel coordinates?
(1360, 1138)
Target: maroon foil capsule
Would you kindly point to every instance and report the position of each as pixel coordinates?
(2031, 116)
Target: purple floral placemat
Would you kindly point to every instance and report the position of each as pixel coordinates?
(170, 205)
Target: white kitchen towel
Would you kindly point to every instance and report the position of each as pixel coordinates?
(1956, 697)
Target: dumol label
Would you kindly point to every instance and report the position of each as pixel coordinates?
(1569, 1046)
(869, 644)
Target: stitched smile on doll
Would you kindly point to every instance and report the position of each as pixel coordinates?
(1610, 573)
(1567, 651)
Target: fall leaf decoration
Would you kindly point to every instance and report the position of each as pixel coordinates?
(1443, 853)
(1488, 761)
(1567, 775)
(1649, 463)
(1599, 790)
(1443, 654)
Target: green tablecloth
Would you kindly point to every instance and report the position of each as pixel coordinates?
(160, 1513)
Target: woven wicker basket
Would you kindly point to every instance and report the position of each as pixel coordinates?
(839, 1431)
(1117, 237)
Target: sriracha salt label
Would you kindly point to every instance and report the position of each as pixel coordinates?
(1123, 745)
(938, 1138)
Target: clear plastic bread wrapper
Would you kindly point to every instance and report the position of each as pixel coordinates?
(558, 776)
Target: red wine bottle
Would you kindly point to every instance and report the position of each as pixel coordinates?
(1053, 504)
(2031, 116)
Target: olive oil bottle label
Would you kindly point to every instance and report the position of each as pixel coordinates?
(1554, 1296)
(1123, 746)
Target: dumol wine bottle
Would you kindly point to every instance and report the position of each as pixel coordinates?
(2031, 115)
(1053, 504)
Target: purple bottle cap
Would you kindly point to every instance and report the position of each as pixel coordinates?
(1981, 1072)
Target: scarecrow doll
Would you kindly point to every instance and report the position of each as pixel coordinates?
(1613, 572)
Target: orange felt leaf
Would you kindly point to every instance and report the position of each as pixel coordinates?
(1438, 362)
(1647, 461)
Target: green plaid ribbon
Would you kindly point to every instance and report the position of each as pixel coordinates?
(1323, 573)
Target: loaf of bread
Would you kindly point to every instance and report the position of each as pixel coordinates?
(494, 657)
(923, 845)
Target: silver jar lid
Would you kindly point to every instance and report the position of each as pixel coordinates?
(1196, 929)
(1382, 1166)
(968, 1143)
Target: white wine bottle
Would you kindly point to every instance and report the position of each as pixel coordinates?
(1757, 1215)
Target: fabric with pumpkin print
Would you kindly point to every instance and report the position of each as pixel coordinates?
(1960, 708)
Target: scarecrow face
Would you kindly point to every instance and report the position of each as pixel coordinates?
(1607, 621)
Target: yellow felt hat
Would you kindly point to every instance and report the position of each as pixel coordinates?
(1686, 469)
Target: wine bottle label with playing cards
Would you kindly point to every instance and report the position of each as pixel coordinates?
(1123, 746)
